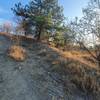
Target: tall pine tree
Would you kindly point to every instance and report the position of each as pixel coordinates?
(40, 16)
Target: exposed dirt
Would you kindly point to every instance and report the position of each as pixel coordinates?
(33, 78)
(25, 80)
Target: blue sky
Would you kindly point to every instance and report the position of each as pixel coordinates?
(72, 8)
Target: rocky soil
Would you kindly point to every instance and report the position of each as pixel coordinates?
(33, 78)
(26, 80)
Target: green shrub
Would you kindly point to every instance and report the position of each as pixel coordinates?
(59, 39)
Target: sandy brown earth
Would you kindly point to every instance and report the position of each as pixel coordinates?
(33, 79)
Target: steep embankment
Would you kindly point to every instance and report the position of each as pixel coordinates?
(25, 80)
(44, 75)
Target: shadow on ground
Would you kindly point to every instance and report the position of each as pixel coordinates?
(44, 75)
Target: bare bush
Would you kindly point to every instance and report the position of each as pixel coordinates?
(17, 53)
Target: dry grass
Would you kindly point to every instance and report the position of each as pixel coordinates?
(76, 56)
(20, 37)
(79, 75)
(5, 34)
(17, 53)
(81, 72)
(87, 84)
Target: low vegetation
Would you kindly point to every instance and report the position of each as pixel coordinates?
(60, 45)
(17, 53)
(85, 78)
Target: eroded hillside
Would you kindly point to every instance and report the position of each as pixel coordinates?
(45, 75)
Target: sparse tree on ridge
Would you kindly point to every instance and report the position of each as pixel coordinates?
(40, 16)
(89, 26)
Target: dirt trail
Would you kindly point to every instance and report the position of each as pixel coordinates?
(13, 86)
(25, 80)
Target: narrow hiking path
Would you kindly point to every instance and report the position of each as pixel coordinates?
(13, 86)
(26, 80)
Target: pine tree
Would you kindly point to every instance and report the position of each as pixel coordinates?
(40, 16)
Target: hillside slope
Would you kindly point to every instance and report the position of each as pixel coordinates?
(42, 76)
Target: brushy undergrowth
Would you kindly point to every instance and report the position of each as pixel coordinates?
(17, 53)
(82, 77)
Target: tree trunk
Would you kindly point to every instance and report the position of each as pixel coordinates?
(98, 59)
(39, 33)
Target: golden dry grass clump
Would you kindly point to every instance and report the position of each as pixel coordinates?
(17, 53)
